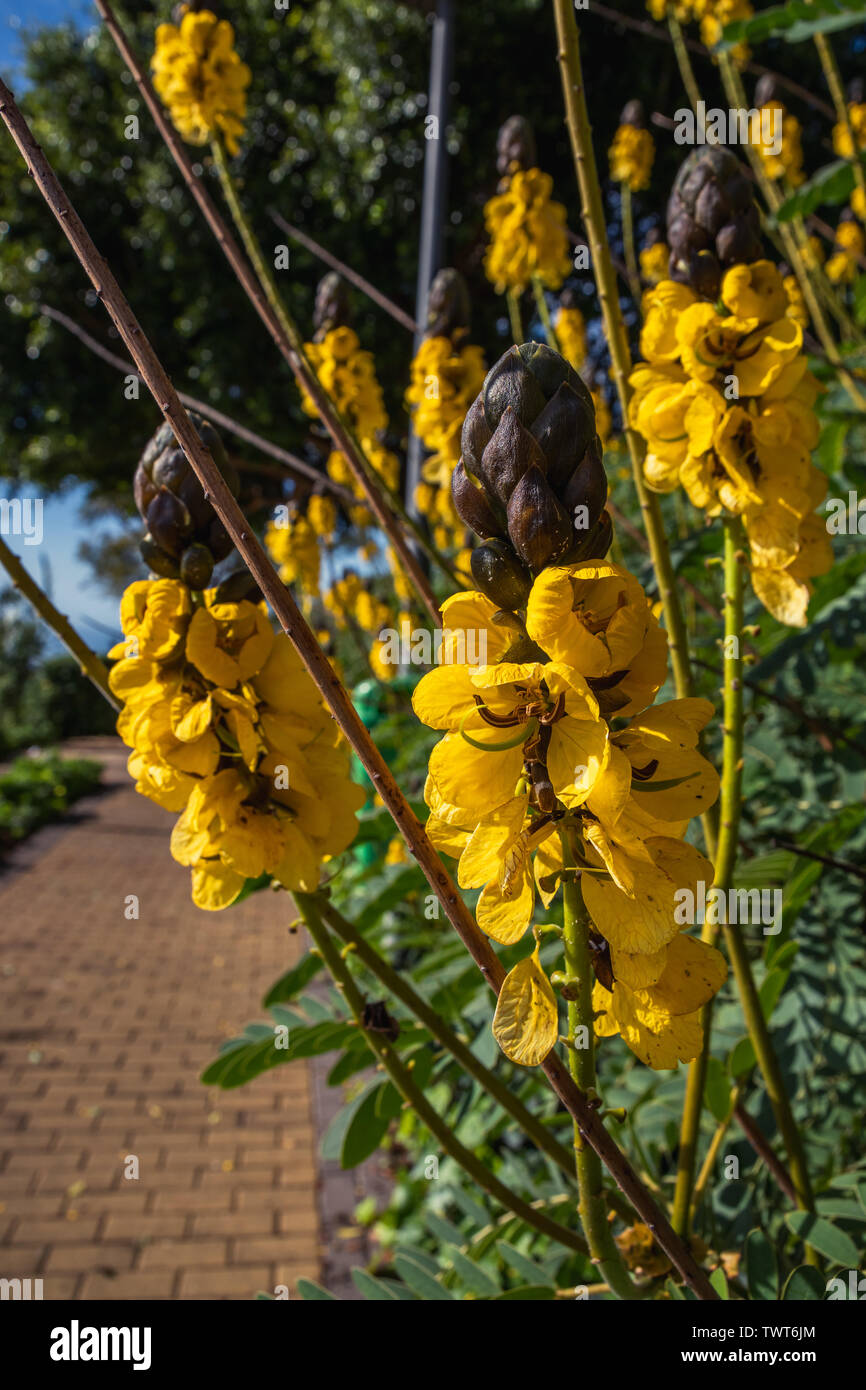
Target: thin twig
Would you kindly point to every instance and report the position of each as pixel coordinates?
(762, 1148)
(90, 664)
(399, 315)
(328, 683)
(291, 462)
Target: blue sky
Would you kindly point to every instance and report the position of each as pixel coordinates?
(55, 559)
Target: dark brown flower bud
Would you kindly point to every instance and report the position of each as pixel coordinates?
(564, 429)
(633, 114)
(447, 305)
(515, 146)
(539, 527)
(711, 210)
(157, 559)
(475, 437)
(511, 451)
(331, 308)
(169, 522)
(472, 506)
(499, 574)
(237, 586)
(587, 487)
(196, 566)
(143, 490)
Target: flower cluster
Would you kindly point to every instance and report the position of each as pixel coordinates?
(712, 15)
(654, 257)
(528, 234)
(531, 784)
(570, 329)
(227, 728)
(842, 142)
(348, 374)
(200, 78)
(725, 402)
(844, 265)
(631, 156)
(787, 162)
(445, 379)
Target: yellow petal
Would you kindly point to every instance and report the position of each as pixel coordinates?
(482, 857)
(215, 885)
(526, 1021)
(504, 912)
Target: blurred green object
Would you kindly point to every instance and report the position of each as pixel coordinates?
(40, 789)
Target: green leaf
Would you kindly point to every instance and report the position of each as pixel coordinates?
(717, 1090)
(374, 1290)
(741, 1058)
(762, 1270)
(720, 1284)
(794, 22)
(523, 1265)
(443, 1229)
(294, 980)
(825, 1237)
(418, 1279)
(841, 1209)
(805, 1283)
(311, 1292)
(470, 1273)
(365, 1130)
(770, 991)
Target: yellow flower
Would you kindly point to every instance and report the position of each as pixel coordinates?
(502, 714)
(228, 642)
(661, 1023)
(444, 382)
(200, 78)
(844, 265)
(571, 335)
(842, 143)
(788, 162)
(322, 515)
(528, 234)
(154, 615)
(662, 308)
(631, 157)
(294, 549)
(595, 618)
(654, 262)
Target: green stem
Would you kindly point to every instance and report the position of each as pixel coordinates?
(401, 989)
(713, 1152)
(684, 62)
(581, 1061)
(628, 240)
(837, 92)
(371, 484)
(89, 662)
(725, 858)
(580, 134)
(512, 299)
(544, 313)
(401, 1076)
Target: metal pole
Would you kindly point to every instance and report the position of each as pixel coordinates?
(434, 200)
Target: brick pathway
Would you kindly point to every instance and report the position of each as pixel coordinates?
(105, 1025)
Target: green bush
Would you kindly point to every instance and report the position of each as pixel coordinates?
(36, 790)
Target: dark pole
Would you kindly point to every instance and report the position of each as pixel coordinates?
(434, 201)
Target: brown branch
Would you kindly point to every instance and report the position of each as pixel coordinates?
(761, 1145)
(291, 352)
(292, 464)
(354, 278)
(290, 618)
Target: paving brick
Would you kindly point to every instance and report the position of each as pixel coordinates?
(136, 1015)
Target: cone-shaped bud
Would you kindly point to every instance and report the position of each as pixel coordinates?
(532, 469)
(515, 146)
(331, 309)
(473, 508)
(196, 566)
(448, 305)
(236, 586)
(499, 574)
(633, 114)
(713, 222)
(171, 500)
